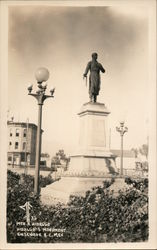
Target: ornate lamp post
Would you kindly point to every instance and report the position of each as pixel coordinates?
(122, 131)
(42, 75)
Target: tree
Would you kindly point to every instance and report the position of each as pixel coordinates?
(55, 160)
(62, 157)
(59, 157)
(45, 155)
(135, 150)
(144, 150)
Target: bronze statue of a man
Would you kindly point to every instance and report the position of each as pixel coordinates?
(94, 79)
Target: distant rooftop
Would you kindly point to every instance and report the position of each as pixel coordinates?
(126, 153)
(22, 124)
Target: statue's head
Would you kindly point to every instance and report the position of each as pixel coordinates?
(94, 55)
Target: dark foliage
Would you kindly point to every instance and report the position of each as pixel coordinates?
(98, 217)
(140, 184)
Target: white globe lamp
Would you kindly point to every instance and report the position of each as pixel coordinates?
(42, 75)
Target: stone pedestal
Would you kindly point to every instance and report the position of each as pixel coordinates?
(93, 157)
(91, 163)
(61, 190)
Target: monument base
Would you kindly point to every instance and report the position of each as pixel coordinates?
(60, 191)
(91, 165)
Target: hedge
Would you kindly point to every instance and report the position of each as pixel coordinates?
(98, 217)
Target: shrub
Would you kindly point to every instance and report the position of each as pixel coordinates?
(140, 184)
(97, 217)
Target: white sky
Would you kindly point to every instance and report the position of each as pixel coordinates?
(62, 39)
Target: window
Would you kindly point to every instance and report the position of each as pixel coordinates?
(10, 143)
(17, 132)
(24, 132)
(11, 132)
(16, 145)
(24, 145)
(23, 157)
(9, 158)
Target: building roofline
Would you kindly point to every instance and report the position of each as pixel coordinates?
(126, 153)
(22, 124)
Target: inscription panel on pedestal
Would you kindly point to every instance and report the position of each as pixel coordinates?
(98, 135)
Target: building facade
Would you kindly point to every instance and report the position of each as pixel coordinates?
(21, 143)
(131, 164)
